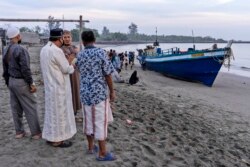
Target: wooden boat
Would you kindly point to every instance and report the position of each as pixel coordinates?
(191, 65)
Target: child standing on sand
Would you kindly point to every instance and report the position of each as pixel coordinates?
(126, 61)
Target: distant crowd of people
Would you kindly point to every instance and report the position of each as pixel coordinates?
(120, 60)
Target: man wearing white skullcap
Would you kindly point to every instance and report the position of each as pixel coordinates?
(12, 32)
(17, 75)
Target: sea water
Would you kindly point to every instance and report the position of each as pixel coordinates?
(240, 65)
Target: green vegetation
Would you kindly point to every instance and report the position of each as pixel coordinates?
(117, 37)
(134, 36)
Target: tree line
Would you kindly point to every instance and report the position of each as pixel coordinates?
(131, 36)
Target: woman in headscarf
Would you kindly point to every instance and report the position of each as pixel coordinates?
(69, 50)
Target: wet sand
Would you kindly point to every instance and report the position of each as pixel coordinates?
(174, 123)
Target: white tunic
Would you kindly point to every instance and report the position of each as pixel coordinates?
(59, 121)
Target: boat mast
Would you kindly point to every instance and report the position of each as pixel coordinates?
(156, 34)
(156, 43)
(193, 39)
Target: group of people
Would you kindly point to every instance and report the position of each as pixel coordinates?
(118, 61)
(121, 59)
(73, 80)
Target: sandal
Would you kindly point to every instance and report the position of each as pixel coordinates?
(63, 144)
(108, 157)
(93, 151)
(36, 137)
(20, 135)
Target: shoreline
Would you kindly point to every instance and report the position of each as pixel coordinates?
(146, 42)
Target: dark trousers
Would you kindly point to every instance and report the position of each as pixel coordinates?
(21, 100)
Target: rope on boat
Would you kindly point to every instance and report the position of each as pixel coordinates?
(228, 57)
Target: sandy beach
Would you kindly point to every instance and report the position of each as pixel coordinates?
(174, 124)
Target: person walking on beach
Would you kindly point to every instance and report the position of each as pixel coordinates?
(132, 59)
(126, 61)
(71, 50)
(110, 54)
(95, 79)
(116, 61)
(17, 74)
(121, 56)
(59, 121)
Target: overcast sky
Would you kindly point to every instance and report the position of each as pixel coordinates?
(227, 19)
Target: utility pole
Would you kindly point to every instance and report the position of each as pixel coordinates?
(80, 31)
(80, 21)
(63, 21)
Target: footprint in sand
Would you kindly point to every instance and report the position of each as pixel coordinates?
(151, 129)
(152, 118)
(176, 161)
(138, 120)
(163, 138)
(48, 153)
(161, 123)
(149, 150)
(168, 153)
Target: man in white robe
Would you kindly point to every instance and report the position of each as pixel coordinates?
(59, 122)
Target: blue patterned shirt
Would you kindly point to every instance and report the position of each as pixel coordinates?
(93, 66)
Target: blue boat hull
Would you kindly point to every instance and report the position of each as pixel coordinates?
(204, 69)
(191, 65)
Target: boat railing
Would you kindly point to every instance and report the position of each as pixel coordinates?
(177, 51)
(174, 50)
(160, 52)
